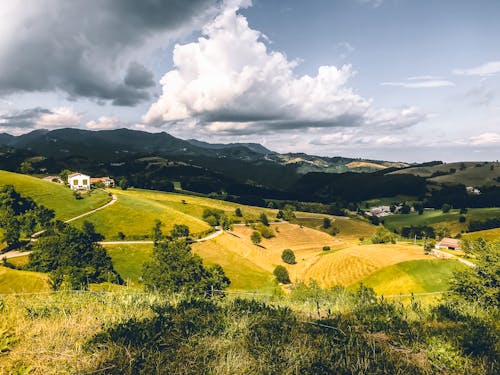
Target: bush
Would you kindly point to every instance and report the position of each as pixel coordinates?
(263, 219)
(266, 232)
(446, 208)
(462, 219)
(256, 237)
(288, 256)
(383, 235)
(326, 248)
(327, 223)
(281, 275)
(238, 212)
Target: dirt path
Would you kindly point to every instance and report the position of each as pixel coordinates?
(442, 254)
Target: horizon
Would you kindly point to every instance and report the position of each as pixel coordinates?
(417, 83)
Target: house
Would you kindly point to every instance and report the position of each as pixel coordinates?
(449, 243)
(79, 181)
(473, 190)
(380, 211)
(108, 182)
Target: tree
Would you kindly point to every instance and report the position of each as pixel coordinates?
(175, 269)
(64, 175)
(446, 208)
(327, 223)
(11, 228)
(462, 219)
(288, 256)
(281, 275)
(463, 211)
(89, 229)
(405, 209)
(238, 212)
(383, 235)
(157, 233)
(442, 232)
(265, 232)
(263, 219)
(419, 207)
(26, 167)
(256, 237)
(121, 236)
(428, 246)
(123, 184)
(179, 230)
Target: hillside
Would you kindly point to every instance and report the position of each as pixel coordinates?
(54, 196)
(467, 173)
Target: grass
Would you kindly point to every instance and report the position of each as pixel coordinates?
(353, 264)
(349, 229)
(136, 211)
(416, 276)
(15, 281)
(128, 260)
(437, 217)
(54, 196)
(489, 234)
(19, 261)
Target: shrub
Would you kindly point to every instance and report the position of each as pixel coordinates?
(383, 235)
(327, 223)
(288, 256)
(121, 236)
(462, 219)
(281, 275)
(326, 248)
(446, 208)
(263, 219)
(256, 237)
(238, 212)
(266, 232)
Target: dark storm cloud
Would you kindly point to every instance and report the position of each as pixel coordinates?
(25, 119)
(84, 48)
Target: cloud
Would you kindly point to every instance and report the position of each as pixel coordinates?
(38, 118)
(103, 123)
(59, 118)
(85, 48)
(486, 139)
(420, 82)
(228, 81)
(373, 3)
(481, 95)
(487, 69)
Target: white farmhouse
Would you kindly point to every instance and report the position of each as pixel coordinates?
(79, 181)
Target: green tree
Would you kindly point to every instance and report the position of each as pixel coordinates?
(238, 212)
(281, 275)
(157, 233)
(263, 219)
(327, 223)
(288, 256)
(123, 184)
(428, 245)
(26, 167)
(446, 208)
(179, 230)
(175, 269)
(383, 235)
(442, 231)
(256, 237)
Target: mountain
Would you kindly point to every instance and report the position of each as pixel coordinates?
(255, 147)
(5, 138)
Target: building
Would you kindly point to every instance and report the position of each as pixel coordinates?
(79, 181)
(449, 243)
(380, 211)
(473, 190)
(108, 182)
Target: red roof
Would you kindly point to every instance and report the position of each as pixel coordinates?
(450, 242)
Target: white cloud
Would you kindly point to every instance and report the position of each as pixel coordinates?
(59, 118)
(103, 123)
(373, 3)
(230, 82)
(486, 139)
(420, 84)
(487, 69)
(333, 138)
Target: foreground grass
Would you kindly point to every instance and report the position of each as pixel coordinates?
(416, 276)
(54, 196)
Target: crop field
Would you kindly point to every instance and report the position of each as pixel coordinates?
(437, 217)
(415, 276)
(15, 281)
(350, 265)
(54, 196)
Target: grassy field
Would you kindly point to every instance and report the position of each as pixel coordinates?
(136, 211)
(348, 229)
(353, 264)
(490, 234)
(14, 281)
(437, 217)
(475, 173)
(54, 196)
(415, 276)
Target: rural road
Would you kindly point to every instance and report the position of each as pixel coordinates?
(442, 254)
(17, 253)
(217, 233)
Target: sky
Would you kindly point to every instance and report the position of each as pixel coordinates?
(401, 80)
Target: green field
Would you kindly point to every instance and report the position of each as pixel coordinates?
(437, 217)
(54, 196)
(15, 281)
(128, 261)
(136, 211)
(490, 234)
(415, 276)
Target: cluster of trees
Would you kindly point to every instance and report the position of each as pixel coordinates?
(383, 235)
(475, 226)
(21, 216)
(72, 257)
(216, 217)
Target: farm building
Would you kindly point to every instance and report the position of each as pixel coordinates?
(79, 181)
(449, 243)
(108, 182)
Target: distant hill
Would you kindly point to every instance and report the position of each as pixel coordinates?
(466, 173)
(255, 147)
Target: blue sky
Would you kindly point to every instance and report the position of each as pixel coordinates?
(388, 79)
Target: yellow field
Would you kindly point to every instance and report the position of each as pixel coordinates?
(365, 164)
(14, 281)
(490, 234)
